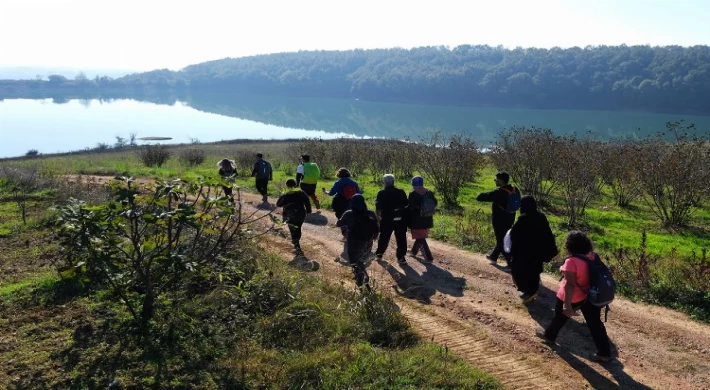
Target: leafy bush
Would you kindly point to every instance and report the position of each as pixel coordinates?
(147, 240)
(154, 155)
(192, 157)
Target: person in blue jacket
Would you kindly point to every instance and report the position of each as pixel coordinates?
(342, 191)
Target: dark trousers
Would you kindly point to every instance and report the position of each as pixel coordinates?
(261, 185)
(526, 276)
(420, 243)
(400, 236)
(227, 190)
(499, 229)
(295, 230)
(592, 315)
(357, 255)
(310, 190)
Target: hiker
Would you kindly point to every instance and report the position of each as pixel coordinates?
(362, 229)
(506, 201)
(342, 192)
(295, 205)
(420, 212)
(228, 171)
(572, 296)
(307, 175)
(391, 205)
(532, 244)
(263, 174)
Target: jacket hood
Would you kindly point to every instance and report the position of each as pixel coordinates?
(528, 204)
(357, 203)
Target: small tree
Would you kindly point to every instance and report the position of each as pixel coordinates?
(192, 157)
(146, 241)
(530, 156)
(22, 182)
(450, 163)
(32, 153)
(675, 176)
(619, 171)
(580, 164)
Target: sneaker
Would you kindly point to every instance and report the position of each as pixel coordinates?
(528, 298)
(402, 260)
(600, 358)
(540, 333)
(317, 203)
(491, 260)
(378, 256)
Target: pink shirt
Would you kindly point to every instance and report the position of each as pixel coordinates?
(581, 269)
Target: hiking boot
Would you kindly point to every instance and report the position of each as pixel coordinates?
(264, 198)
(491, 260)
(600, 358)
(528, 298)
(317, 204)
(540, 333)
(402, 260)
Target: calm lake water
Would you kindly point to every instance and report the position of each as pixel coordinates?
(60, 125)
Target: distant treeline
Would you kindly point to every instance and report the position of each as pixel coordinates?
(669, 78)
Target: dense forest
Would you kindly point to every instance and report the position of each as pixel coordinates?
(670, 78)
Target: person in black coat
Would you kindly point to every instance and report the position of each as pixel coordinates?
(391, 205)
(363, 228)
(296, 205)
(532, 244)
(502, 218)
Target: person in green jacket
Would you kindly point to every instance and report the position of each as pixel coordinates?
(307, 175)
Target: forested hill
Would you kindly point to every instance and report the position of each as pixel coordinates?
(670, 78)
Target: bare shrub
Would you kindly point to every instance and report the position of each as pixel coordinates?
(32, 153)
(529, 155)
(244, 162)
(351, 154)
(154, 155)
(192, 157)
(675, 176)
(632, 267)
(21, 184)
(579, 175)
(619, 171)
(405, 161)
(87, 189)
(320, 153)
(379, 159)
(449, 162)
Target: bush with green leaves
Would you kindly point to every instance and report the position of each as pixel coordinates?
(148, 240)
(154, 155)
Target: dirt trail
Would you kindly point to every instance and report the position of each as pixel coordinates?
(472, 308)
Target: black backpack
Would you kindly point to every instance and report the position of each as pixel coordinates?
(365, 227)
(602, 286)
(428, 205)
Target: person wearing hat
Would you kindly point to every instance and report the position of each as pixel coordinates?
(420, 224)
(228, 172)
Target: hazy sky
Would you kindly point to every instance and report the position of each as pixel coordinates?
(148, 34)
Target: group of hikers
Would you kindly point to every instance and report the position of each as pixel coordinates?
(525, 244)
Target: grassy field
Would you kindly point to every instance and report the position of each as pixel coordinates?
(283, 328)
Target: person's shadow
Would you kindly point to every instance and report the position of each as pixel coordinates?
(303, 263)
(540, 311)
(316, 218)
(412, 285)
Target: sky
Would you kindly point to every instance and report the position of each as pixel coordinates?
(153, 34)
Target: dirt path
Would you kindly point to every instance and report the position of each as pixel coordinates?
(471, 307)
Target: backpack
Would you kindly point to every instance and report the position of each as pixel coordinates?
(263, 169)
(365, 227)
(513, 201)
(428, 205)
(349, 191)
(602, 286)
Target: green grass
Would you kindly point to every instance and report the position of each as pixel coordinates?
(37, 281)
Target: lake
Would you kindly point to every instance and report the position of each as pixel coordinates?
(65, 124)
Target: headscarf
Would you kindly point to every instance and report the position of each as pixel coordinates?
(357, 204)
(388, 180)
(528, 204)
(417, 181)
